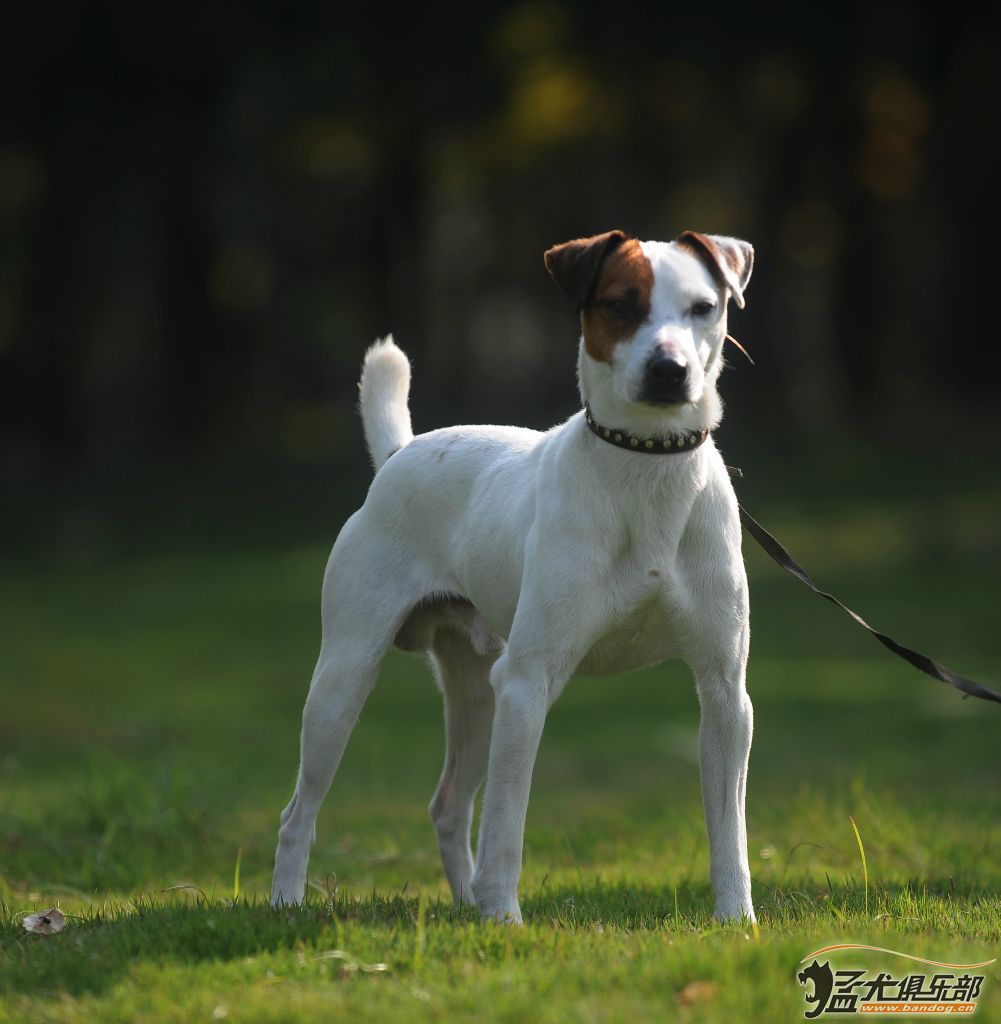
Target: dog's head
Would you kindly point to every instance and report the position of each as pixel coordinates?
(653, 315)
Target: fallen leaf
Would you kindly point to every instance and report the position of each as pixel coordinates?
(45, 922)
(697, 992)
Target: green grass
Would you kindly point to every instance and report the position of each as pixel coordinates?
(149, 705)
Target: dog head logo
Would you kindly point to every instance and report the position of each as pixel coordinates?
(823, 983)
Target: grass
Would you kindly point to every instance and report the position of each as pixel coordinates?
(150, 701)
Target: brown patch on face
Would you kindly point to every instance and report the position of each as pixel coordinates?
(620, 301)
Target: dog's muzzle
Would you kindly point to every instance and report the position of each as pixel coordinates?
(665, 381)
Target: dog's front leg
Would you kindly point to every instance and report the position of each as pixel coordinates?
(521, 700)
(555, 624)
(724, 748)
(715, 626)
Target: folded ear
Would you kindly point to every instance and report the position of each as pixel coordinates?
(574, 265)
(729, 260)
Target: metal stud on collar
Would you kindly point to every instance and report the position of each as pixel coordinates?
(673, 444)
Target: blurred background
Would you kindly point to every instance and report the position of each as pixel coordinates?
(207, 218)
(208, 215)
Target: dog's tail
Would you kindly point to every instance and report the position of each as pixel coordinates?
(384, 389)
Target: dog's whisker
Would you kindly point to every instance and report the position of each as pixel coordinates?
(746, 354)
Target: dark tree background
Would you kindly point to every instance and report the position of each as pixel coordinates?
(207, 213)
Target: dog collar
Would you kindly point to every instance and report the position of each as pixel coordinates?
(673, 444)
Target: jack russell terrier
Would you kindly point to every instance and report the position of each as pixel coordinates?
(517, 558)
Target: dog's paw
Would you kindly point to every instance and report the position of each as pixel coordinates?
(279, 901)
(493, 905)
(287, 892)
(738, 915)
(502, 916)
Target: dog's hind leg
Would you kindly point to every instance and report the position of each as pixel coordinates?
(464, 676)
(359, 625)
(337, 693)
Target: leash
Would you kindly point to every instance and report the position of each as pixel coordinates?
(675, 444)
(930, 667)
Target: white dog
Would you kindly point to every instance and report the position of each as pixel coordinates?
(517, 558)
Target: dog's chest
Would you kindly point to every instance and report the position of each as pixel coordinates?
(647, 592)
(644, 605)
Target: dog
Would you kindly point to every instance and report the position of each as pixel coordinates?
(516, 558)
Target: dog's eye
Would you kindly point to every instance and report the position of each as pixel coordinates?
(617, 306)
(702, 308)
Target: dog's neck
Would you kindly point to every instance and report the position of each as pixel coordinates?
(597, 384)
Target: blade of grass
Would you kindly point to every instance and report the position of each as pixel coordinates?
(186, 886)
(865, 867)
(420, 938)
(236, 875)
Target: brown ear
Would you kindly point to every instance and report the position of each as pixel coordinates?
(729, 260)
(574, 265)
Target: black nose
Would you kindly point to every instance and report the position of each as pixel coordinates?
(666, 372)
(665, 381)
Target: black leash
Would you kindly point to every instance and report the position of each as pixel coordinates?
(922, 662)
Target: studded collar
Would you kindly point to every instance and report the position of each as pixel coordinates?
(672, 444)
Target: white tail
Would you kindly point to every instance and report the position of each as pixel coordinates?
(384, 389)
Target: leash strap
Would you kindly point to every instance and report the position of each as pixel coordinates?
(922, 662)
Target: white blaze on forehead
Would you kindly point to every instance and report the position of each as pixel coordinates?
(680, 279)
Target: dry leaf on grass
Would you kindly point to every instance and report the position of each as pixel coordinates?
(697, 992)
(45, 922)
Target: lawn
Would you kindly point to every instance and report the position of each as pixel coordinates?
(156, 646)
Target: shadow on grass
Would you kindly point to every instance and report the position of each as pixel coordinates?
(94, 952)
